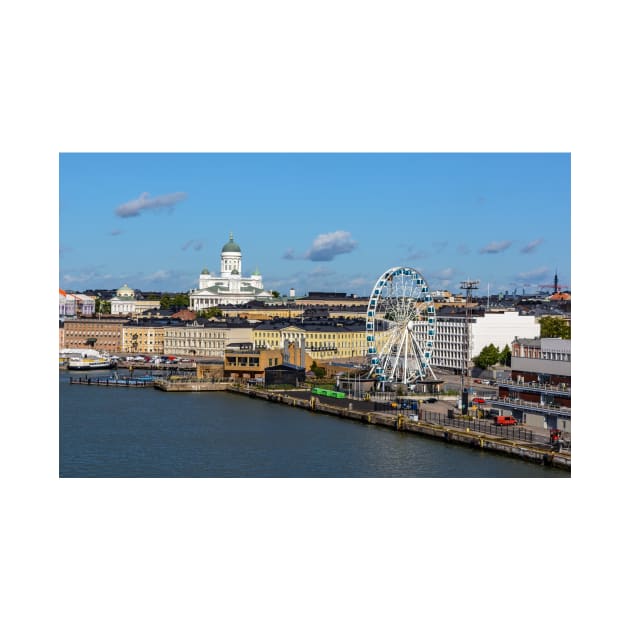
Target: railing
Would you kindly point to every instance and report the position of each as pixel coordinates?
(518, 403)
(510, 432)
(542, 387)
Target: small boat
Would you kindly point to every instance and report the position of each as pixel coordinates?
(89, 363)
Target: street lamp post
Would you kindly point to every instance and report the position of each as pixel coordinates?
(469, 286)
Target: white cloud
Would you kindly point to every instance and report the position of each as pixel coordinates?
(530, 247)
(144, 202)
(495, 248)
(326, 246)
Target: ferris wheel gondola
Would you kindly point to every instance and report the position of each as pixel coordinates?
(400, 327)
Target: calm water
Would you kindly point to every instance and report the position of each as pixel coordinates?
(119, 432)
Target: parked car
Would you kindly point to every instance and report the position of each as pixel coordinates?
(430, 400)
(479, 401)
(505, 420)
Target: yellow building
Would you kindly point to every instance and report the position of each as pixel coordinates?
(326, 339)
(143, 337)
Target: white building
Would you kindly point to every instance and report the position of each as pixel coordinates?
(205, 338)
(498, 328)
(75, 304)
(125, 303)
(231, 287)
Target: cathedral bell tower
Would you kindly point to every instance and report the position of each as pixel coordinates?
(230, 259)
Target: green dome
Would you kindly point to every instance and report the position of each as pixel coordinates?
(235, 272)
(205, 271)
(231, 246)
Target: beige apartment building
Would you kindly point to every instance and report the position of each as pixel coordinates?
(205, 338)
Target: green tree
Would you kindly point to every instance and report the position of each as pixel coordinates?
(318, 371)
(102, 306)
(165, 302)
(554, 327)
(209, 313)
(275, 294)
(505, 356)
(487, 357)
(181, 300)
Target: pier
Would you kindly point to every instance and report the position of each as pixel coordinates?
(511, 441)
(111, 382)
(499, 440)
(183, 384)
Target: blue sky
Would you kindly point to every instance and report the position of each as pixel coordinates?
(315, 221)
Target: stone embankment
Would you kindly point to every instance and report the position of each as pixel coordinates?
(432, 429)
(189, 385)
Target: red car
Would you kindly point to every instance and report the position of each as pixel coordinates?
(479, 401)
(505, 420)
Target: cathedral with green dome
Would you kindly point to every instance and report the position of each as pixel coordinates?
(230, 286)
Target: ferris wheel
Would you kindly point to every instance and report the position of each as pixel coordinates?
(400, 327)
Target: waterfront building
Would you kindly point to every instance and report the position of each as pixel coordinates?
(144, 336)
(230, 287)
(62, 343)
(242, 361)
(103, 334)
(205, 338)
(285, 374)
(539, 391)
(458, 341)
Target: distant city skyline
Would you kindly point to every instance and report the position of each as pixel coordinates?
(315, 221)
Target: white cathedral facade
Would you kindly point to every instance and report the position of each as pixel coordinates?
(230, 287)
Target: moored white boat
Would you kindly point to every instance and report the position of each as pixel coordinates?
(89, 363)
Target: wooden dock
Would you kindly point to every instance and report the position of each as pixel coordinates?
(111, 382)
